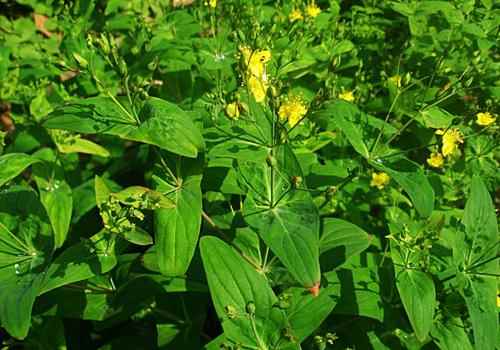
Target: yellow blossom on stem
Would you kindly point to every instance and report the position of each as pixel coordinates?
(396, 80)
(451, 139)
(233, 110)
(379, 180)
(295, 15)
(255, 62)
(485, 119)
(293, 110)
(211, 3)
(312, 9)
(347, 96)
(436, 160)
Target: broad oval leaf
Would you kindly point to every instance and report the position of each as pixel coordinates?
(306, 311)
(481, 230)
(166, 125)
(160, 123)
(450, 334)
(413, 181)
(177, 228)
(341, 240)
(234, 285)
(418, 295)
(12, 164)
(55, 194)
(80, 262)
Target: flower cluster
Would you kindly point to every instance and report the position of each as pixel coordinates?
(311, 10)
(256, 76)
(233, 110)
(292, 110)
(485, 119)
(379, 180)
(450, 140)
(435, 160)
(347, 95)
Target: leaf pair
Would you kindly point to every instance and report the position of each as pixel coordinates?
(280, 209)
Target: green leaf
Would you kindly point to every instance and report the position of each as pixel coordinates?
(55, 194)
(102, 191)
(12, 164)
(138, 236)
(437, 118)
(343, 238)
(11, 247)
(80, 262)
(450, 335)
(169, 127)
(306, 312)
(283, 215)
(343, 118)
(88, 301)
(177, 228)
(413, 181)
(234, 287)
(17, 296)
(20, 280)
(79, 145)
(480, 265)
(360, 129)
(418, 295)
(359, 291)
(160, 123)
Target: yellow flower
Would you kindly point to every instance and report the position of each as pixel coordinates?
(379, 180)
(485, 119)
(312, 10)
(293, 110)
(212, 3)
(451, 138)
(498, 298)
(295, 15)
(347, 96)
(396, 80)
(256, 75)
(435, 160)
(255, 61)
(233, 110)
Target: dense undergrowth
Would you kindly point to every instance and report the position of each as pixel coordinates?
(249, 174)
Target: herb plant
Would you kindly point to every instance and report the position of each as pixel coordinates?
(249, 174)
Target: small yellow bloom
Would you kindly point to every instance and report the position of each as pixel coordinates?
(379, 180)
(233, 110)
(396, 80)
(498, 298)
(295, 15)
(451, 139)
(435, 160)
(485, 119)
(313, 10)
(212, 3)
(293, 110)
(347, 96)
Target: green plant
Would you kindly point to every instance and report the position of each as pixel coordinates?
(249, 174)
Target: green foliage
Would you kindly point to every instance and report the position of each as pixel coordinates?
(249, 174)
